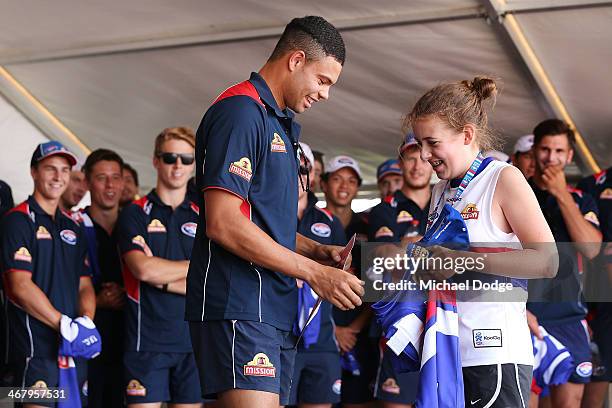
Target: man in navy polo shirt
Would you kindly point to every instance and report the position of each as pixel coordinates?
(573, 218)
(102, 171)
(242, 294)
(389, 177)
(45, 272)
(401, 217)
(155, 237)
(316, 375)
(600, 186)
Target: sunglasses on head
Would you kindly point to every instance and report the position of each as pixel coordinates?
(171, 158)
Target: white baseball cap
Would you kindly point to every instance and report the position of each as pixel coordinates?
(307, 151)
(497, 155)
(523, 144)
(339, 162)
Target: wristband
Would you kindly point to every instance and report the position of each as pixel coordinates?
(165, 287)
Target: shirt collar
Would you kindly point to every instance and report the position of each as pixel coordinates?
(154, 197)
(37, 209)
(266, 96)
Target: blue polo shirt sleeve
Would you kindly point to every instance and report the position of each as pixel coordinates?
(382, 224)
(132, 230)
(17, 243)
(235, 145)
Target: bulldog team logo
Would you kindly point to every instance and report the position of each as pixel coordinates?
(277, 145)
(68, 236)
(242, 168)
(592, 217)
(40, 384)
(383, 232)
(156, 226)
(42, 233)
(260, 366)
(189, 229)
(135, 389)
(404, 216)
(390, 386)
(606, 194)
(470, 212)
(321, 230)
(584, 369)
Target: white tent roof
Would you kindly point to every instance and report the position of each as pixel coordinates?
(114, 74)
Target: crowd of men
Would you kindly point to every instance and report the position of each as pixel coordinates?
(134, 271)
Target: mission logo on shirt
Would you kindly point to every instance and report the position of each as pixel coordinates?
(242, 168)
(278, 146)
(470, 212)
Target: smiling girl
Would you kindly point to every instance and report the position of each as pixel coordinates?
(503, 219)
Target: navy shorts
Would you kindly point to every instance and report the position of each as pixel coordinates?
(160, 377)
(44, 373)
(602, 335)
(316, 378)
(391, 386)
(246, 355)
(358, 389)
(575, 337)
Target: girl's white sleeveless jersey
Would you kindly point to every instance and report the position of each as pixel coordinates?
(490, 332)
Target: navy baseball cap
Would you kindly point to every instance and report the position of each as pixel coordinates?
(409, 140)
(51, 148)
(390, 166)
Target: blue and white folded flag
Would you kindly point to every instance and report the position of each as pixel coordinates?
(553, 364)
(307, 301)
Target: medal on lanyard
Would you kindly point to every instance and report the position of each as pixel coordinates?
(462, 186)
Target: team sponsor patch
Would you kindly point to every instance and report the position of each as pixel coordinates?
(42, 233)
(383, 232)
(135, 389)
(156, 226)
(189, 229)
(584, 369)
(320, 229)
(68, 236)
(22, 254)
(390, 386)
(470, 212)
(277, 145)
(242, 168)
(404, 216)
(487, 338)
(606, 194)
(337, 387)
(39, 384)
(592, 217)
(260, 366)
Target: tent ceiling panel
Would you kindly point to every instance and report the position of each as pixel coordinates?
(574, 48)
(71, 26)
(123, 100)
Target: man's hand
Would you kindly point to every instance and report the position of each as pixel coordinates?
(428, 271)
(111, 296)
(338, 287)
(346, 337)
(534, 326)
(554, 180)
(330, 255)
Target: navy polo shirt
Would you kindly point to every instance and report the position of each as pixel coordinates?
(154, 319)
(564, 292)
(246, 146)
(322, 226)
(600, 187)
(54, 251)
(396, 217)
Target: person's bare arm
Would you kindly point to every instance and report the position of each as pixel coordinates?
(87, 297)
(229, 228)
(31, 298)
(154, 270)
(178, 287)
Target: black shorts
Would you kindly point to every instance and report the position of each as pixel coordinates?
(246, 355)
(391, 386)
(359, 389)
(497, 385)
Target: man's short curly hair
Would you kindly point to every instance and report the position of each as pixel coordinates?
(315, 36)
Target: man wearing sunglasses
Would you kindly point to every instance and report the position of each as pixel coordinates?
(242, 295)
(155, 236)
